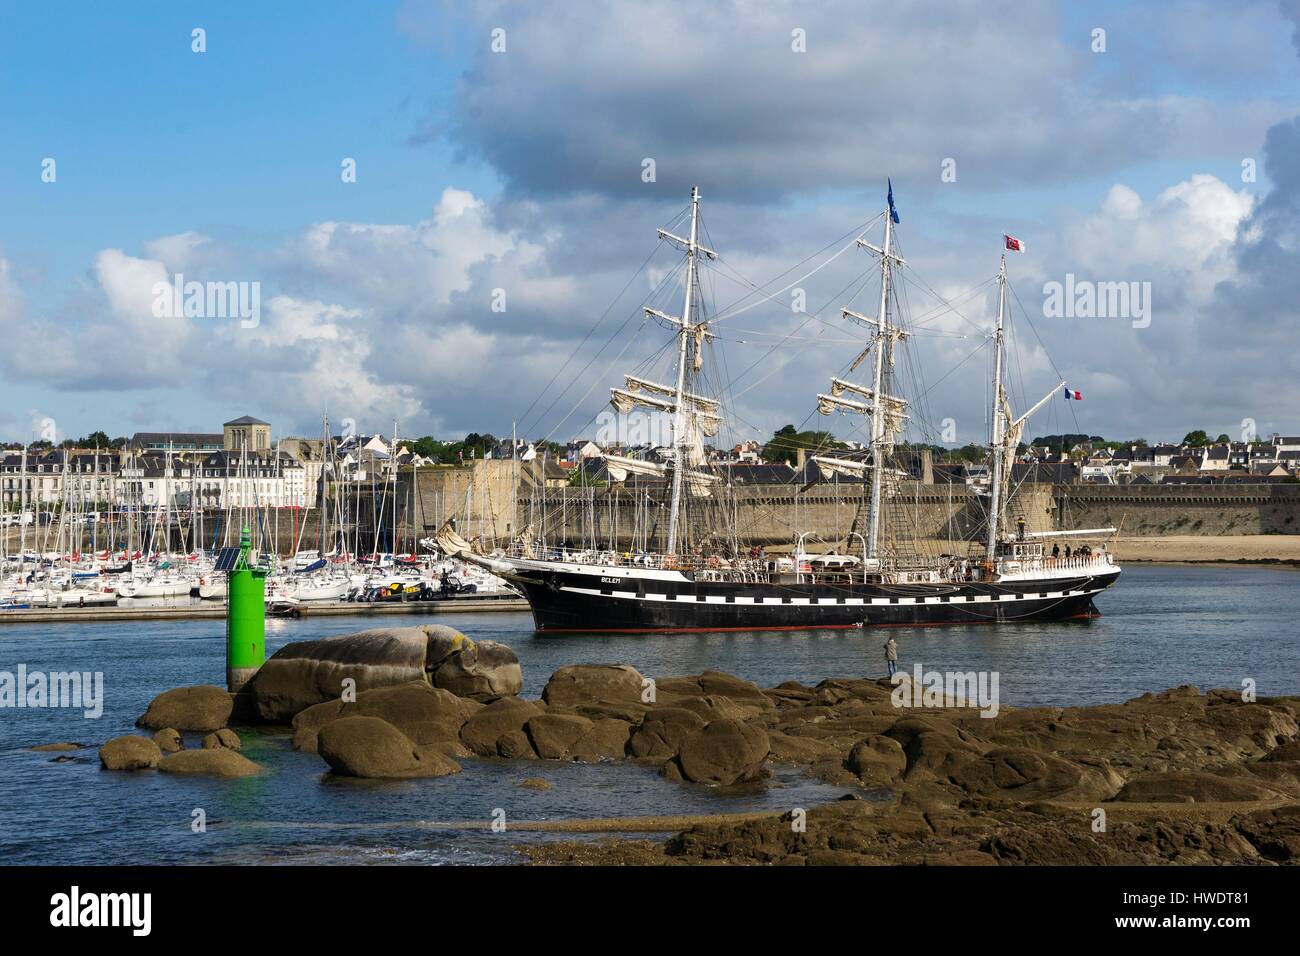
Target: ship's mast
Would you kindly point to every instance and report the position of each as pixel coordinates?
(996, 438)
(681, 431)
(879, 424)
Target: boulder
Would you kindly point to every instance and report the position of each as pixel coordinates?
(606, 740)
(661, 733)
(1282, 752)
(129, 753)
(222, 738)
(482, 731)
(723, 753)
(1191, 788)
(515, 745)
(579, 684)
(1025, 775)
(552, 735)
(55, 748)
(932, 745)
(200, 709)
(373, 748)
(877, 761)
(484, 671)
(209, 763)
(305, 673)
(169, 740)
(427, 715)
(537, 783)
(748, 697)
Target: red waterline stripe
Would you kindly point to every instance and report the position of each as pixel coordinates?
(779, 627)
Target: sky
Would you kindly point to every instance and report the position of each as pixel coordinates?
(486, 265)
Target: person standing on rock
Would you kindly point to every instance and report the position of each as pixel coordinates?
(891, 655)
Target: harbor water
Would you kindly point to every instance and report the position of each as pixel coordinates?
(1162, 626)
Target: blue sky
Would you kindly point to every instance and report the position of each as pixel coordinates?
(519, 171)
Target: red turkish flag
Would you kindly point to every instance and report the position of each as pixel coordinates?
(1014, 244)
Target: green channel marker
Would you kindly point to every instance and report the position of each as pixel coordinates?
(245, 617)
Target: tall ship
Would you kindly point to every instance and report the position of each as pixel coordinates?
(693, 569)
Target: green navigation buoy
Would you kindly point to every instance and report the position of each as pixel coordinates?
(245, 613)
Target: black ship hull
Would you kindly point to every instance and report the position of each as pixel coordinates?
(564, 601)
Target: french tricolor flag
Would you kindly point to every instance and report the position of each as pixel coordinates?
(1071, 395)
(1014, 244)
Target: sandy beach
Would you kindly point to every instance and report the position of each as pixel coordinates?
(1245, 548)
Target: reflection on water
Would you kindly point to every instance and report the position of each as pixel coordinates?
(1162, 626)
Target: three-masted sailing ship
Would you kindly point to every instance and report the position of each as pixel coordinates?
(709, 582)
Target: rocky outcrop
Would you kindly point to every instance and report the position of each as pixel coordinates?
(1191, 788)
(56, 748)
(724, 752)
(306, 673)
(129, 753)
(1177, 777)
(218, 762)
(373, 748)
(429, 716)
(200, 709)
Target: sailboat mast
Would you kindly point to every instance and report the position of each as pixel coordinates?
(680, 428)
(880, 412)
(995, 437)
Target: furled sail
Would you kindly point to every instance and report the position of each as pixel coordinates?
(635, 384)
(645, 393)
(452, 544)
(830, 467)
(619, 468)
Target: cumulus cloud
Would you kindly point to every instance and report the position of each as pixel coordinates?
(715, 94)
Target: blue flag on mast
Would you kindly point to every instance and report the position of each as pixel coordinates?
(893, 213)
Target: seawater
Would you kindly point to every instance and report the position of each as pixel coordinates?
(1162, 626)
